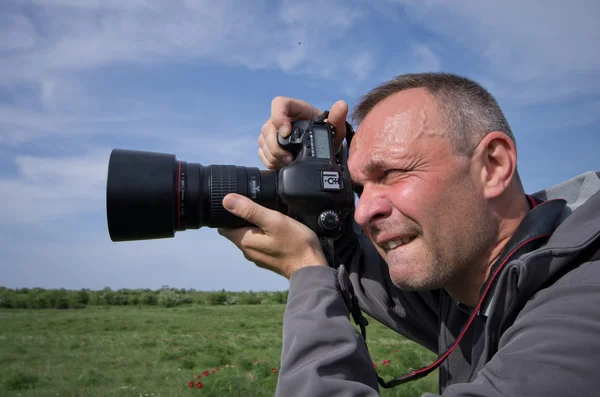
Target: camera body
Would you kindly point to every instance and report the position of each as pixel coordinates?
(316, 187)
(153, 195)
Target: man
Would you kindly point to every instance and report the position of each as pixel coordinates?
(503, 286)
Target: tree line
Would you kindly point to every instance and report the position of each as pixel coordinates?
(39, 298)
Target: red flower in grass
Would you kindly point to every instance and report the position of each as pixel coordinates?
(212, 372)
(273, 370)
(199, 376)
(198, 385)
(191, 384)
(205, 373)
(386, 363)
(217, 368)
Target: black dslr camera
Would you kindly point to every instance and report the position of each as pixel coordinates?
(153, 195)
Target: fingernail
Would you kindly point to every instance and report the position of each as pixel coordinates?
(229, 202)
(288, 159)
(284, 131)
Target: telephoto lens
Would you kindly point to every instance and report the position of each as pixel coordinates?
(152, 195)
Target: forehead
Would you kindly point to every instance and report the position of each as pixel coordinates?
(400, 127)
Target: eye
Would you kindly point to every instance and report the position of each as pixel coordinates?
(394, 173)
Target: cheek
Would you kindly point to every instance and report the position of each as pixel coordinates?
(419, 200)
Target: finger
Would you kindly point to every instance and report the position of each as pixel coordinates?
(265, 154)
(264, 261)
(254, 213)
(242, 237)
(255, 244)
(271, 147)
(285, 110)
(337, 117)
(272, 165)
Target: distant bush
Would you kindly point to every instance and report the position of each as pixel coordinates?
(120, 299)
(250, 298)
(217, 298)
(81, 297)
(58, 298)
(149, 298)
(134, 300)
(168, 298)
(231, 300)
(107, 297)
(40, 301)
(280, 296)
(20, 301)
(38, 298)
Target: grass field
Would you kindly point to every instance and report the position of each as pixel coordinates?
(154, 351)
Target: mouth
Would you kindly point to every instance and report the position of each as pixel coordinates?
(389, 245)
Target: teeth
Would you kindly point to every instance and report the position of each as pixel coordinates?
(393, 244)
(390, 245)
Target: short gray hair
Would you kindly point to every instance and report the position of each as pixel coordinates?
(470, 110)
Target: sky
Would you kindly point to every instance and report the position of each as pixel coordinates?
(196, 79)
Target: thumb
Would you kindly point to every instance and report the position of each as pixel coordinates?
(337, 116)
(247, 209)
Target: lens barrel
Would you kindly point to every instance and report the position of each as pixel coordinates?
(153, 195)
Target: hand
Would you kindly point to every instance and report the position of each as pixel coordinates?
(278, 243)
(283, 112)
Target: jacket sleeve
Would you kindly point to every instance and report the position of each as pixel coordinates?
(552, 349)
(322, 354)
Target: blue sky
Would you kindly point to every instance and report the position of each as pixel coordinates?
(196, 79)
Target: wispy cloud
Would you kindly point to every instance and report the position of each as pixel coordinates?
(55, 47)
(84, 35)
(52, 187)
(534, 52)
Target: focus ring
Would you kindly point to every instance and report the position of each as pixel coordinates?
(223, 180)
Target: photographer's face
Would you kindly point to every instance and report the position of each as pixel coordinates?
(422, 205)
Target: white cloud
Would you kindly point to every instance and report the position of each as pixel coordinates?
(52, 187)
(415, 57)
(47, 68)
(85, 35)
(425, 58)
(17, 33)
(536, 52)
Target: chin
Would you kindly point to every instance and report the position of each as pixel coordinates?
(407, 280)
(414, 285)
(414, 277)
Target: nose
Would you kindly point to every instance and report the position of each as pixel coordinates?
(371, 206)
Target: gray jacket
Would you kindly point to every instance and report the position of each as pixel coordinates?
(535, 333)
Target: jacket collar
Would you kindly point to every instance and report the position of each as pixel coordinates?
(533, 231)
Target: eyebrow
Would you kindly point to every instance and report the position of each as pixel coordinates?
(371, 166)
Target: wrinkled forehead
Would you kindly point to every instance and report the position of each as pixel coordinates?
(398, 125)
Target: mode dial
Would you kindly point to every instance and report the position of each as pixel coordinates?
(329, 220)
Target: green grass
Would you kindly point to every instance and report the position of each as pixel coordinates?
(153, 351)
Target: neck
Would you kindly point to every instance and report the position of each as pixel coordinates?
(467, 287)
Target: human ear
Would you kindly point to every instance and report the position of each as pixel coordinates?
(499, 163)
